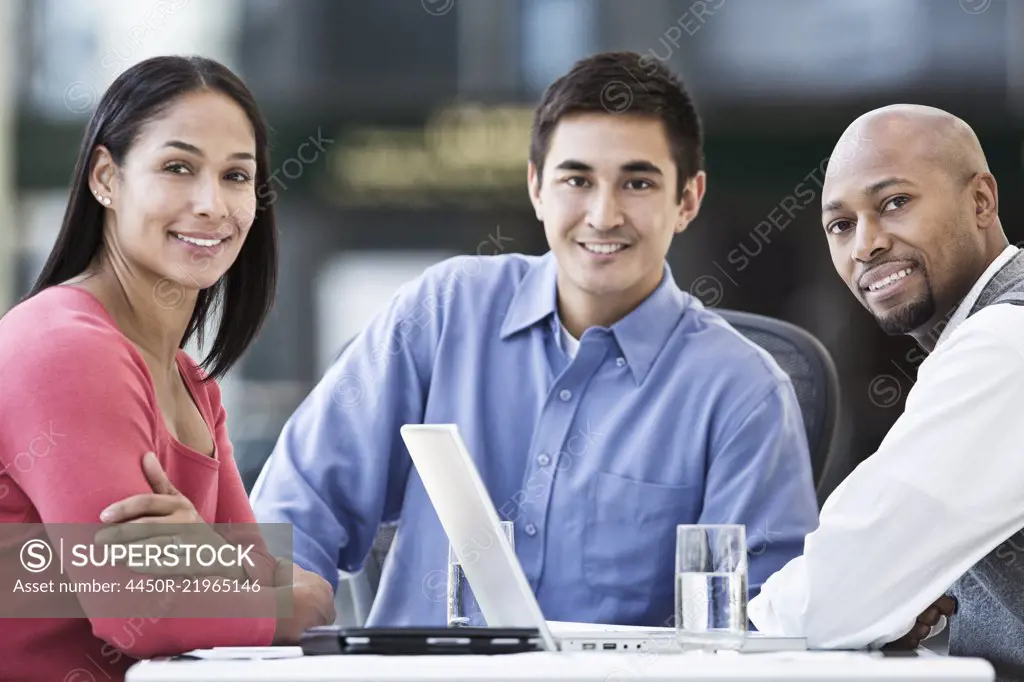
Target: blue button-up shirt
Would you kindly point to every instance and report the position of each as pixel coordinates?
(667, 417)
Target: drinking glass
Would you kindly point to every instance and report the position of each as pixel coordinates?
(711, 586)
(463, 609)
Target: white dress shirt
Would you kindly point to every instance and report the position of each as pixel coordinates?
(943, 490)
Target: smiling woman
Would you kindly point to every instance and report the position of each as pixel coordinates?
(175, 150)
(163, 228)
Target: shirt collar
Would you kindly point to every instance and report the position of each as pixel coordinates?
(641, 334)
(535, 298)
(963, 309)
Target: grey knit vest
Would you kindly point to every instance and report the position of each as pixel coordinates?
(990, 620)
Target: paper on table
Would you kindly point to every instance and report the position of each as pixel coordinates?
(244, 653)
(555, 626)
(819, 655)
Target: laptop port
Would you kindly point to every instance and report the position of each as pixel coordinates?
(608, 645)
(589, 646)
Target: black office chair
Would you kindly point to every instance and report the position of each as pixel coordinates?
(812, 372)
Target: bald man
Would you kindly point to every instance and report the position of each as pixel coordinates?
(910, 213)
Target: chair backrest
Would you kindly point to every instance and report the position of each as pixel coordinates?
(810, 369)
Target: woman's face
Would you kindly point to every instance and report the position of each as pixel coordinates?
(184, 198)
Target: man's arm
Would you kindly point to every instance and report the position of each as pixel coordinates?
(339, 466)
(941, 492)
(760, 475)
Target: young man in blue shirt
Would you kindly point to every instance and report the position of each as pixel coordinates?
(602, 405)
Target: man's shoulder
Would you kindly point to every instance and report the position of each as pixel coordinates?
(1004, 315)
(504, 267)
(461, 280)
(1001, 323)
(708, 337)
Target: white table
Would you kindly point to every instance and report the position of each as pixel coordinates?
(574, 667)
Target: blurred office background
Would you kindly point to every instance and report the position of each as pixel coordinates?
(418, 114)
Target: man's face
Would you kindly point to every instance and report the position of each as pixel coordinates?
(608, 203)
(899, 229)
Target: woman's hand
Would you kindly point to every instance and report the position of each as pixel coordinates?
(164, 505)
(145, 519)
(309, 599)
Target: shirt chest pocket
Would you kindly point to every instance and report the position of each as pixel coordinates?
(629, 538)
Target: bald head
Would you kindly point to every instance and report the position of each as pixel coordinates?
(925, 133)
(910, 211)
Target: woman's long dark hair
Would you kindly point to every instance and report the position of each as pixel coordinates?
(245, 294)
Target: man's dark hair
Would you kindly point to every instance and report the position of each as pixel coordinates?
(616, 83)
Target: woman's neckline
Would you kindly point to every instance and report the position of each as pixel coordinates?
(184, 369)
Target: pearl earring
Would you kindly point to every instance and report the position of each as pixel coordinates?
(103, 200)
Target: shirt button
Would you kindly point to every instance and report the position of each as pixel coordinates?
(620, 361)
(565, 394)
(530, 529)
(543, 459)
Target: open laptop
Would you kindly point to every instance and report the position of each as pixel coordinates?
(471, 522)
